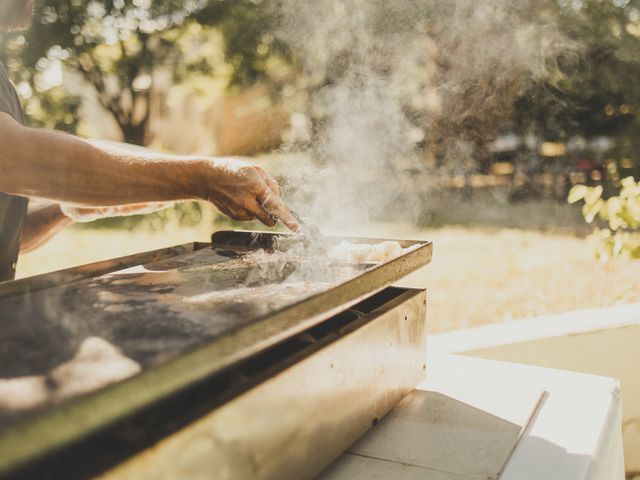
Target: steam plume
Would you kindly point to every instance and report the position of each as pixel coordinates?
(388, 77)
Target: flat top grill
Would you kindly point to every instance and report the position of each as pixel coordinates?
(180, 319)
(156, 312)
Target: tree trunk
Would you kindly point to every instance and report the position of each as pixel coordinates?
(135, 134)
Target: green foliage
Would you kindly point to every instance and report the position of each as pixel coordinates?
(45, 106)
(620, 215)
(592, 92)
(53, 109)
(119, 46)
(251, 47)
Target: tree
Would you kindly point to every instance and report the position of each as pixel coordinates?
(250, 46)
(117, 46)
(595, 92)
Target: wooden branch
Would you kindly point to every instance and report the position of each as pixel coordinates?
(93, 73)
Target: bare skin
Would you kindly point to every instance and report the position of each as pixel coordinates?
(45, 219)
(67, 169)
(40, 225)
(95, 175)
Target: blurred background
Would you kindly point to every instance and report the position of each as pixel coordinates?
(490, 116)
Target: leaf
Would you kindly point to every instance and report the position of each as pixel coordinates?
(633, 212)
(612, 213)
(618, 245)
(577, 193)
(614, 206)
(628, 219)
(629, 188)
(590, 210)
(593, 195)
(604, 215)
(628, 182)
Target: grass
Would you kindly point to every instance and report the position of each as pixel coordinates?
(479, 275)
(483, 276)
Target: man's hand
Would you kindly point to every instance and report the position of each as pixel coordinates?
(244, 191)
(67, 169)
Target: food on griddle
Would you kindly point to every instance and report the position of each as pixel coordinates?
(347, 252)
(385, 251)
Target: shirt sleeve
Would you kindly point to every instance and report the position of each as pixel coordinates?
(9, 101)
(4, 104)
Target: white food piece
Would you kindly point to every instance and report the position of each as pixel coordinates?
(96, 364)
(340, 253)
(359, 253)
(385, 251)
(347, 252)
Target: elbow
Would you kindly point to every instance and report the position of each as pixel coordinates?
(15, 142)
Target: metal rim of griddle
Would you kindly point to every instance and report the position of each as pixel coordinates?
(52, 427)
(70, 275)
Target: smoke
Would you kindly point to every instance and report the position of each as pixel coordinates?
(397, 86)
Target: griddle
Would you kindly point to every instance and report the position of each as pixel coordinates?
(182, 314)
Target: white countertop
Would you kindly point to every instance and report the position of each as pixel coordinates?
(482, 419)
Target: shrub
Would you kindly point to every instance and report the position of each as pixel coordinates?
(617, 230)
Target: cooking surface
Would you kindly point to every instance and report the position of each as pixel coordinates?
(153, 312)
(69, 340)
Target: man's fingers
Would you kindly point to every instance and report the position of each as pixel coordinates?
(273, 185)
(237, 213)
(222, 209)
(261, 214)
(242, 215)
(275, 207)
(256, 196)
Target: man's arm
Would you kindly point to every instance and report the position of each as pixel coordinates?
(64, 168)
(42, 223)
(45, 219)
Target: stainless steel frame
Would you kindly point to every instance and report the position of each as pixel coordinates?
(69, 275)
(294, 424)
(58, 425)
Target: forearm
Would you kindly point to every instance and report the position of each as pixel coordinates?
(40, 225)
(65, 168)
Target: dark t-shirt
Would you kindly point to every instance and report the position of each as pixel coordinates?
(13, 210)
